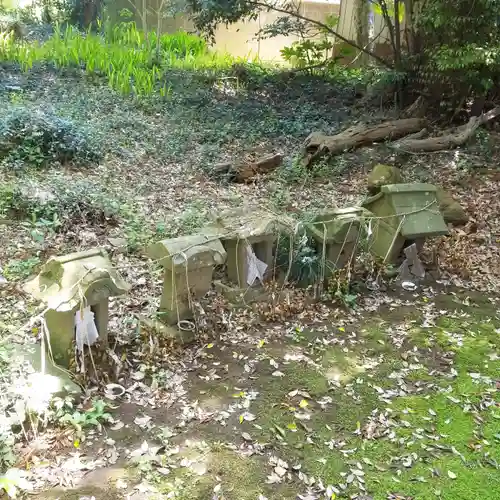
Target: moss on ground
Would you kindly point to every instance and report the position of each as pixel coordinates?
(434, 385)
(447, 426)
(243, 478)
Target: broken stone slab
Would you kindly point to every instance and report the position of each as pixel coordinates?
(249, 238)
(452, 211)
(189, 263)
(412, 209)
(414, 263)
(71, 283)
(118, 244)
(336, 233)
(382, 175)
(45, 380)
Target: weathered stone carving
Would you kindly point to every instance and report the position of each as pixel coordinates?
(403, 212)
(249, 239)
(336, 234)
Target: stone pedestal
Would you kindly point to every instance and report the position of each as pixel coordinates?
(61, 332)
(178, 288)
(385, 242)
(404, 213)
(189, 263)
(411, 209)
(67, 284)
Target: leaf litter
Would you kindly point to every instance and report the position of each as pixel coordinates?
(158, 378)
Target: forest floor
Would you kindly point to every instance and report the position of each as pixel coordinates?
(396, 398)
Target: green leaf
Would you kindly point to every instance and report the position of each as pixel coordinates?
(280, 430)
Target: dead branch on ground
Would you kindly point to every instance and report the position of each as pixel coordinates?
(245, 172)
(450, 140)
(318, 145)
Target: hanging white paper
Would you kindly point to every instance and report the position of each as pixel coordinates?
(86, 330)
(255, 267)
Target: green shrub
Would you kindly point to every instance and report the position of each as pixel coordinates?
(459, 53)
(297, 257)
(59, 204)
(37, 138)
(20, 269)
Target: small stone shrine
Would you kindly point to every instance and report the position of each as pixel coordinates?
(189, 264)
(249, 240)
(404, 213)
(336, 234)
(76, 289)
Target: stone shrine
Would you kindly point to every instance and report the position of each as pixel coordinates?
(69, 284)
(189, 263)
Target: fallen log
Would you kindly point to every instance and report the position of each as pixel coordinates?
(318, 145)
(245, 172)
(450, 140)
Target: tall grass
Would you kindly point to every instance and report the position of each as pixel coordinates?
(131, 60)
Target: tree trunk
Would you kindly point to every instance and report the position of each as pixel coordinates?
(362, 9)
(86, 12)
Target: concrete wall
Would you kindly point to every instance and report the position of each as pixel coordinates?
(238, 39)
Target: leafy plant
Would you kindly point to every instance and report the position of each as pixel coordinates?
(461, 52)
(313, 53)
(20, 269)
(7, 457)
(130, 59)
(14, 480)
(340, 288)
(38, 138)
(298, 258)
(95, 416)
(55, 204)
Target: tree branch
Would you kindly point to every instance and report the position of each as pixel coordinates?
(390, 26)
(323, 26)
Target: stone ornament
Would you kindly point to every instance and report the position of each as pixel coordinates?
(403, 212)
(249, 238)
(336, 234)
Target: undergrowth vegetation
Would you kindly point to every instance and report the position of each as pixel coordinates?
(131, 60)
(34, 137)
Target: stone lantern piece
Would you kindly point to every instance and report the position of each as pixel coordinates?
(336, 234)
(249, 238)
(403, 214)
